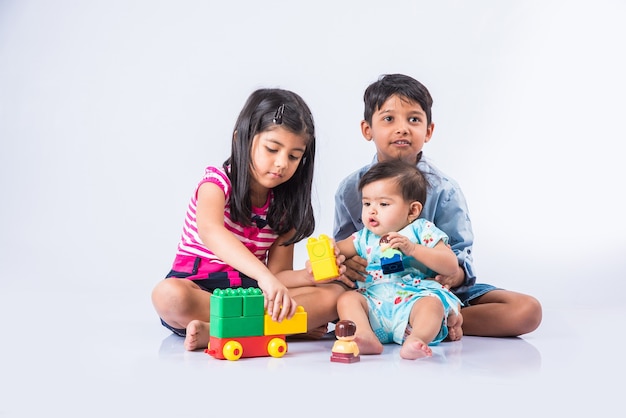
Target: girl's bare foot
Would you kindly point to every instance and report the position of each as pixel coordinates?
(368, 344)
(455, 323)
(197, 335)
(415, 348)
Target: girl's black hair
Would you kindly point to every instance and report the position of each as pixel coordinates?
(291, 207)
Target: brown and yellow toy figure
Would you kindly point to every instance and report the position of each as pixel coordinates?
(345, 350)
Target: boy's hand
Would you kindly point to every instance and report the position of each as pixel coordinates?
(340, 259)
(452, 281)
(355, 270)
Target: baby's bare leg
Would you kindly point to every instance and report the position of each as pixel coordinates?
(353, 306)
(426, 317)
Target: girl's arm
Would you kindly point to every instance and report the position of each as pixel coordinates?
(210, 220)
(439, 258)
(280, 262)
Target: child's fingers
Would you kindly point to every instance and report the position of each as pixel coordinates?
(273, 300)
(284, 308)
(275, 306)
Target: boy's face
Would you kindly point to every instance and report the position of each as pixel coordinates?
(384, 209)
(399, 130)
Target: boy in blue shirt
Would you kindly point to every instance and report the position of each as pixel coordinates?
(397, 118)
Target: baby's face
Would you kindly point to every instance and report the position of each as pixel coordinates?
(399, 129)
(384, 209)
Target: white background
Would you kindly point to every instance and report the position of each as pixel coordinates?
(110, 110)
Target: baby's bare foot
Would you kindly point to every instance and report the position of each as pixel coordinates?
(197, 335)
(414, 348)
(455, 330)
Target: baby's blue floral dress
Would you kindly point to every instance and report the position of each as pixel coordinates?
(391, 296)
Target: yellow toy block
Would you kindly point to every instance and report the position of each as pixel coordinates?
(295, 325)
(322, 257)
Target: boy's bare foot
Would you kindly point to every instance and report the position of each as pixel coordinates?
(455, 330)
(415, 348)
(197, 335)
(368, 344)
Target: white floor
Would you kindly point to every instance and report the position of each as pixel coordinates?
(82, 355)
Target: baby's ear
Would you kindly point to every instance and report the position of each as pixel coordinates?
(414, 210)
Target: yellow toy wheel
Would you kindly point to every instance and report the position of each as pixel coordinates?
(232, 350)
(277, 347)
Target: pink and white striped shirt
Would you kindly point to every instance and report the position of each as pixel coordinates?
(257, 240)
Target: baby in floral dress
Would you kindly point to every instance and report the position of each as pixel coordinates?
(397, 302)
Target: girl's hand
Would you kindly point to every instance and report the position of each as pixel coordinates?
(278, 303)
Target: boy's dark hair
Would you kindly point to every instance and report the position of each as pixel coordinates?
(266, 109)
(412, 182)
(401, 85)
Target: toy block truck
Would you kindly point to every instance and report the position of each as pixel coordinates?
(240, 326)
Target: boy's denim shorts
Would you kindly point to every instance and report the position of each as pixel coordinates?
(473, 292)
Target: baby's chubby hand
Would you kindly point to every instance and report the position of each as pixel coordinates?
(401, 243)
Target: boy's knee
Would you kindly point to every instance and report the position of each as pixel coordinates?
(532, 314)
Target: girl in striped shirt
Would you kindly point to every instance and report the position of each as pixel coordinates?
(243, 221)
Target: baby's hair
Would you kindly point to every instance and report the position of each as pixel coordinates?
(291, 208)
(401, 85)
(412, 182)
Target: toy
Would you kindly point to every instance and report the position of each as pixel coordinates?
(240, 326)
(391, 259)
(345, 350)
(322, 257)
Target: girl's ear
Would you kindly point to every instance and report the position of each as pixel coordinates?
(235, 136)
(414, 210)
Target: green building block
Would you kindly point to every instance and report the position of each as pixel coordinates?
(237, 312)
(237, 302)
(244, 326)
